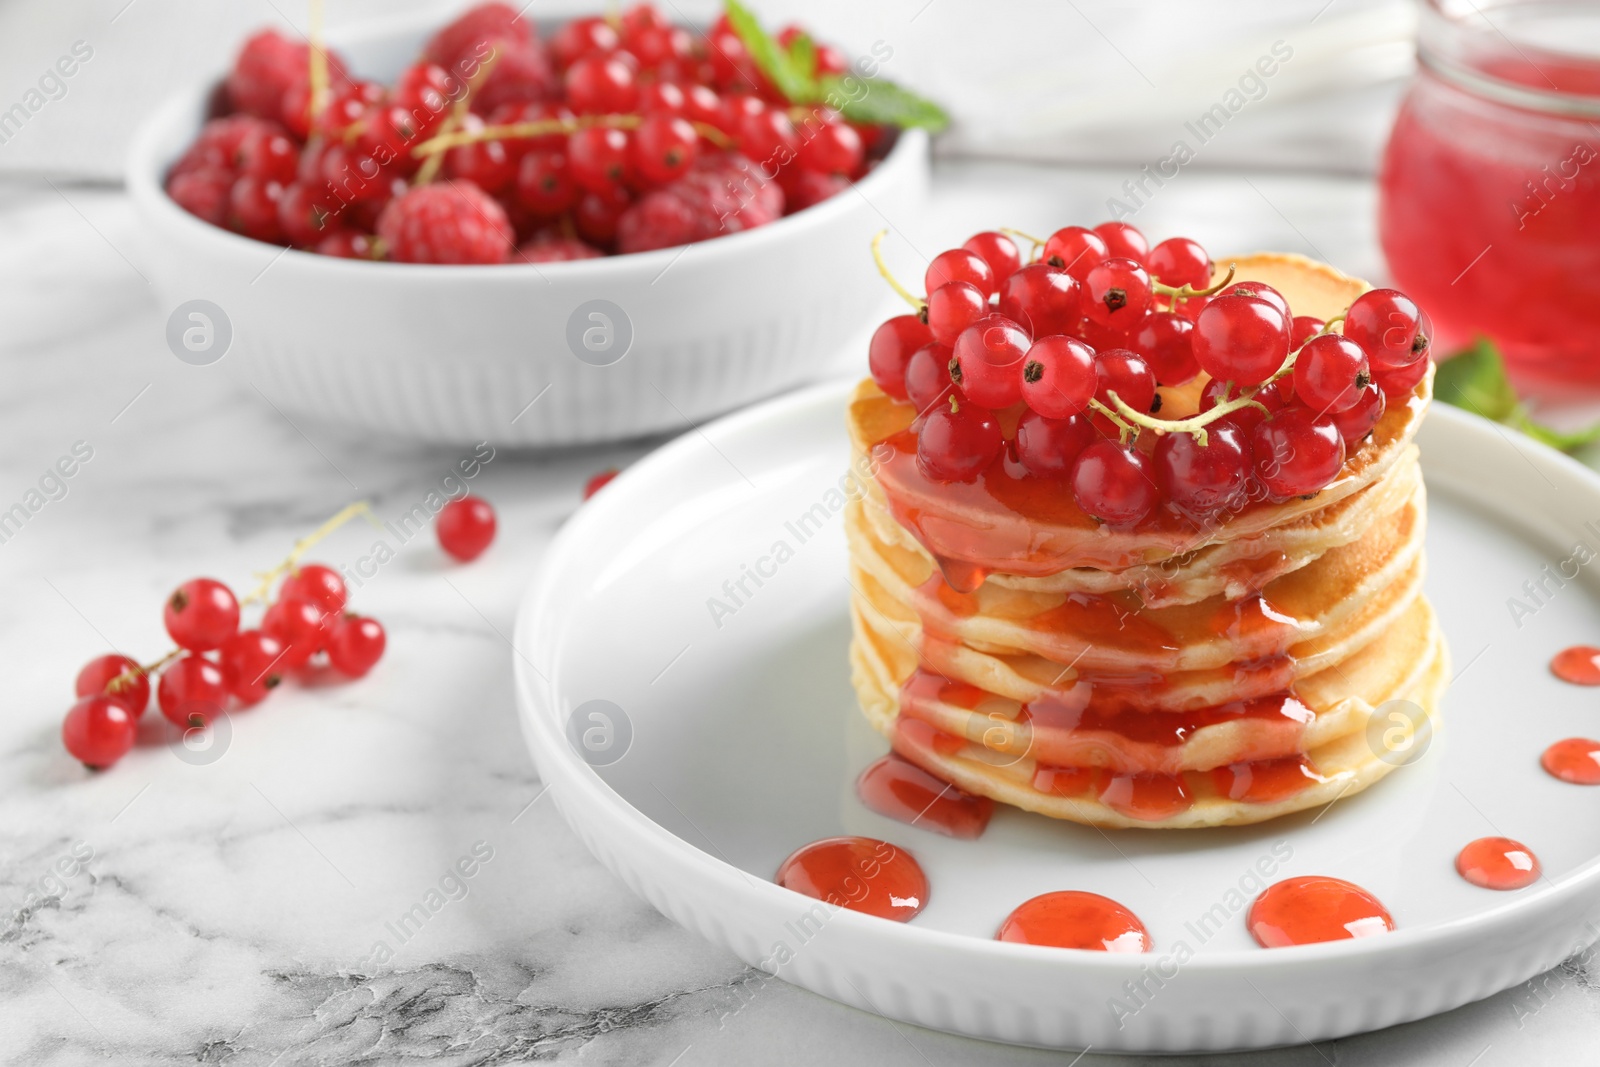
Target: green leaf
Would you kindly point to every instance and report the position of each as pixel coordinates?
(1476, 381)
(803, 57)
(772, 60)
(880, 102)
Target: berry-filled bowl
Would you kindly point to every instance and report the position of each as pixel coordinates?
(435, 311)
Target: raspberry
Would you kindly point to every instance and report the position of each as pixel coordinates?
(553, 249)
(475, 26)
(452, 223)
(521, 74)
(269, 65)
(203, 193)
(803, 188)
(721, 194)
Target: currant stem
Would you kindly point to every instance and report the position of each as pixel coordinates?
(883, 269)
(458, 115)
(1195, 425)
(1186, 292)
(447, 139)
(132, 674)
(1121, 424)
(304, 545)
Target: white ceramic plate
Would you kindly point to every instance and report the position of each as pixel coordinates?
(729, 742)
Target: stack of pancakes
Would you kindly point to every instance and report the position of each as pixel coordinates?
(1172, 675)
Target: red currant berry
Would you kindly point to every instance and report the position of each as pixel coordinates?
(98, 731)
(1058, 376)
(1124, 240)
(347, 244)
(465, 527)
(201, 614)
(95, 678)
(959, 265)
(304, 215)
(768, 137)
(1100, 336)
(297, 625)
(1042, 299)
(253, 208)
(928, 376)
(582, 37)
(1166, 342)
(192, 691)
(487, 164)
(598, 214)
(203, 193)
(664, 147)
(834, 147)
(1075, 250)
(1178, 261)
(599, 482)
(1388, 324)
(252, 663)
(1242, 339)
(891, 349)
(1400, 381)
(1114, 483)
(1330, 372)
(1203, 480)
(1261, 291)
(1048, 448)
(997, 250)
(317, 583)
(986, 362)
(662, 98)
(958, 441)
(268, 153)
(1116, 292)
(355, 645)
(602, 85)
(954, 307)
(426, 90)
(1297, 452)
(544, 183)
(702, 104)
(1128, 375)
(598, 156)
(1303, 328)
(1356, 421)
(1246, 418)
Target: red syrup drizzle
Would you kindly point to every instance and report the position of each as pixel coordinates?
(899, 789)
(1498, 863)
(1304, 911)
(1575, 760)
(1579, 665)
(858, 873)
(1072, 919)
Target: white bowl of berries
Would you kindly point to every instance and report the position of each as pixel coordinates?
(533, 235)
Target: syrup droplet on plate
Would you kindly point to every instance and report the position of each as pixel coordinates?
(1306, 910)
(1575, 760)
(859, 873)
(1498, 863)
(1579, 665)
(1073, 919)
(898, 788)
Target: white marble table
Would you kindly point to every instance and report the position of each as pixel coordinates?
(230, 911)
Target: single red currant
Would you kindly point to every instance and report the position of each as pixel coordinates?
(1296, 452)
(1114, 483)
(997, 250)
(603, 84)
(268, 153)
(1075, 250)
(834, 147)
(1400, 381)
(98, 731)
(954, 307)
(1261, 291)
(317, 583)
(192, 691)
(928, 376)
(1166, 341)
(297, 625)
(1356, 421)
(662, 98)
(1042, 299)
(582, 37)
(891, 349)
(1125, 373)
(544, 183)
(1388, 324)
(959, 265)
(958, 441)
(664, 147)
(1048, 448)
(768, 137)
(598, 156)
(1246, 418)
(1116, 293)
(1303, 328)
(1058, 376)
(356, 644)
(132, 691)
(201, 614)
(465, 527)
(1125, 241)
(1330, 372)
(986, 362)
(1178, 261)
(1242, 339)
(252, 663)
(1203, 480)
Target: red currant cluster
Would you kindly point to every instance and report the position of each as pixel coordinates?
(623, 133)
(1070, 348)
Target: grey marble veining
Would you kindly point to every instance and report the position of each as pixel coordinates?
(301, 900)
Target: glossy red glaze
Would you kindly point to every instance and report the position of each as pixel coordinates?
(858, 873)
(899, 789)
(1579, 665)
(1306, 910)
(1575, 760)
(1498, 863)
(1073, 919)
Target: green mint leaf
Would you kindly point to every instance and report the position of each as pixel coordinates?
(772, 60)
(1566, 441)
(803, 57)
(881, 103)
(1476, 381)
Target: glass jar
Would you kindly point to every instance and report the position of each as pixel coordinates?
(1489, 200)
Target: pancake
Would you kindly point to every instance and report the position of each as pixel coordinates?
(1178, 674)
